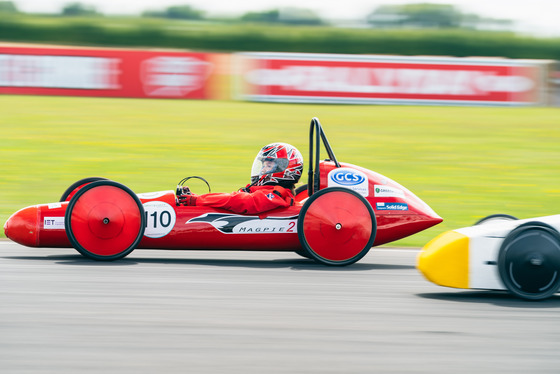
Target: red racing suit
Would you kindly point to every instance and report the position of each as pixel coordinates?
(259, 199)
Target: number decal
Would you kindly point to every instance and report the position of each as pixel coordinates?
(160, 219)
(291, 226)
(165, 219)
(154, 215)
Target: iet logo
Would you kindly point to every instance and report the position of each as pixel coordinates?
(346, 177)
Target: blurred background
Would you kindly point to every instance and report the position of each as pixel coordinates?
(208, 25)
(537, 18)
(457, 98)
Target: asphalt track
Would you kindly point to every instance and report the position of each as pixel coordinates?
(239, 312)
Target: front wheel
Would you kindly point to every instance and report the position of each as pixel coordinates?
(336, 226)
(529, 261)
(105, 221)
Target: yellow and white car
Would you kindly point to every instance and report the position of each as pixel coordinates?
(498, 253)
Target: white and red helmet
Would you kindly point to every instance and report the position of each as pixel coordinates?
(277, 163)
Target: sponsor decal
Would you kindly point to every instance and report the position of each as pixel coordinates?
(237, 224)
(349, 178)
(270, 196)
(391, 206)
(65, 72)
(108, 72)
(416, 80)
(173, 76)
(323, 78)
(160, 219)
(387, 191)
(54, 205)
(346, 177)
(53, 223)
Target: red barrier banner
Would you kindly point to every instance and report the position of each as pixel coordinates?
(55, 70)
(315, 78)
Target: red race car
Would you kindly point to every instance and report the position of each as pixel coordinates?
(337, 217)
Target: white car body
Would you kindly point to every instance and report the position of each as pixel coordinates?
(468, 257)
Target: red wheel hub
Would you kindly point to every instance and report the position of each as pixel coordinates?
(337, 232)
(105, 220)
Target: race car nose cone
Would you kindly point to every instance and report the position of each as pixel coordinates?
(22, 226)
(429, 216)
(445, 260)
(432, 219)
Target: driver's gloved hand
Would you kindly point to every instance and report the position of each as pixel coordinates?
(183, 190)
(186, 200)
(185, 196)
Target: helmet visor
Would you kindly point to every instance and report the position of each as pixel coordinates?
(267, 165)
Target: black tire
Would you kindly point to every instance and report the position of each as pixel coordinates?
(303, 253)
(81, 182)
(113, 238)
(321, 227)
(495, 218)
(300, 189)
(529, 261)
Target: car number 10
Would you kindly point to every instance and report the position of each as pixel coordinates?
(160, 219)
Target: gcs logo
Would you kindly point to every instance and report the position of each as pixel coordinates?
(346, 177)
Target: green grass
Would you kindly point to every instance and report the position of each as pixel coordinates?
(464, 162)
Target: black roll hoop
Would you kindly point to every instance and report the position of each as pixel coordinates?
(316, 134)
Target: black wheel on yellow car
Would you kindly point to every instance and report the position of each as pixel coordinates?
(529, 261)
(496, 218)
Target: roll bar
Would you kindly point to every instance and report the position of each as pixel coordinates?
(316, 134)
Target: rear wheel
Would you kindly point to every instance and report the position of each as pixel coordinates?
(529, 261)
(71, 191)
(105, 220)
(336, 226)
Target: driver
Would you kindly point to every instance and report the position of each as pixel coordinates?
(276, 170)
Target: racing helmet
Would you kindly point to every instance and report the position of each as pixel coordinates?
(277, 163)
